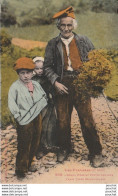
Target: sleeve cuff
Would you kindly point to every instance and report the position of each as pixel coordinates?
(16, 115)
(54, 79)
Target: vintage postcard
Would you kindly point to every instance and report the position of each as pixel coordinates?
(59, 92)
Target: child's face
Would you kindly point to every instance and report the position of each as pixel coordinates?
(25, 75)
(39, 68)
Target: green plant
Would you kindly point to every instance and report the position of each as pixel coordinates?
(7, 14)
(5, 39)
(94, 74)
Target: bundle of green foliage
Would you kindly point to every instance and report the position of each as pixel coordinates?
(94, 74)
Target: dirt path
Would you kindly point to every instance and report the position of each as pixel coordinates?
(49, 171)
(28, 44)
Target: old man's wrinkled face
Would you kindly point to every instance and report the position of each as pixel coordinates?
(66, 27)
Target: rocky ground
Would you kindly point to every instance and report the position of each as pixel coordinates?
(107, 127)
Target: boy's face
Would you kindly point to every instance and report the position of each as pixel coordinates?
(39, 68)
(25, 75)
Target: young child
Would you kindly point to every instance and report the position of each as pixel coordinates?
(26, 100)
(49, 130)
(39, 74)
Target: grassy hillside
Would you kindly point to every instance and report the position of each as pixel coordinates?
(31, 12)
(101, 28)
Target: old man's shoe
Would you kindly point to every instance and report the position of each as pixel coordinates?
(97, 161)
(62, 155)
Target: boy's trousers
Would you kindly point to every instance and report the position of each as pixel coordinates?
(28, 142)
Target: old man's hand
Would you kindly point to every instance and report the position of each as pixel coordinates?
(61, 89)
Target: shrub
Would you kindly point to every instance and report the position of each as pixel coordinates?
(7, 16)
(5, 39)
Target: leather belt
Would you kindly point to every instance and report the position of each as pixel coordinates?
(71, 74)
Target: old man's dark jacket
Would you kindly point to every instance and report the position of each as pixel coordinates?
(54, 59)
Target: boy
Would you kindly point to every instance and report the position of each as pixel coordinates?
(48, 137)
(26, 99)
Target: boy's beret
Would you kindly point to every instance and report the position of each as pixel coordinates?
(68, 12)
(24, 63)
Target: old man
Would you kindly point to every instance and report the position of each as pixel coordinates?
(63, 58)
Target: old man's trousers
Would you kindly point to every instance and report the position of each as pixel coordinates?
(64, 106)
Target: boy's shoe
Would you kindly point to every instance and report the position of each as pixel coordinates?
(42, 152)
(20, 174)
(97, 161)
(40, 155)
